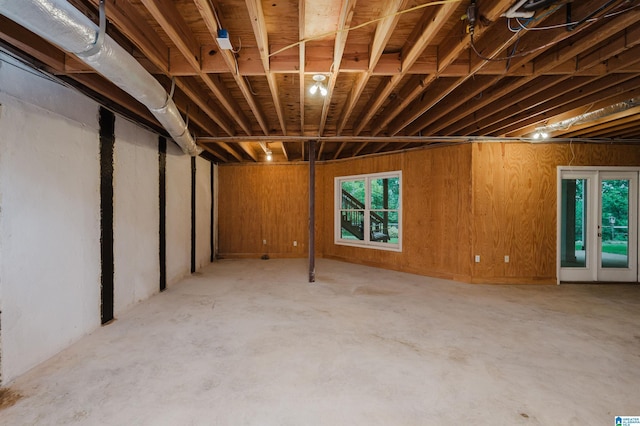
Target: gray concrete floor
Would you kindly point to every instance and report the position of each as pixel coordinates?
(250, 342)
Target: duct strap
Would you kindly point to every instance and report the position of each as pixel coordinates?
(99, 35)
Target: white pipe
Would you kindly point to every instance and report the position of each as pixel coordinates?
(62, 24)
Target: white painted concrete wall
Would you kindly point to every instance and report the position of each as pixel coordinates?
(49, 219)
(178, 214)
(203, 213)
(136, 215)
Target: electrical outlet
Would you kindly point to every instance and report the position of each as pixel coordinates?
(477, 258)
(295, 244)
(506, 259)
(264, 242)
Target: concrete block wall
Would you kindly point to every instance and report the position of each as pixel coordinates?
(136, 215)
(50, 248)
(178, 215)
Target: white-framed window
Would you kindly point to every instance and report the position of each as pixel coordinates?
(368, 210)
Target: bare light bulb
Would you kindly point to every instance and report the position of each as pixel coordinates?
(323, 91)
(313, 89)
(269, 155)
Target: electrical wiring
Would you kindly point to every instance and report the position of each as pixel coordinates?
(567, 24)
(364, 24)
(547, 45)
(507, 58)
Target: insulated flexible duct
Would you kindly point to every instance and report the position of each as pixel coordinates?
(65, 26)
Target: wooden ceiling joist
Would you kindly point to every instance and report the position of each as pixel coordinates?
(395, 69)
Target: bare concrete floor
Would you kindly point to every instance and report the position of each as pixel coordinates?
(250, 342)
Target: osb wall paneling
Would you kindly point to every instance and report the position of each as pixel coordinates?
(263, 202)
(514, 203)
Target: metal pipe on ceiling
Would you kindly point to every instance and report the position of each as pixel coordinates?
(65, 26)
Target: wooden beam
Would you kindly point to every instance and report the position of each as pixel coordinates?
(607, 122)
(395, 140)
(339, 150)
(346, 15)
(208, 148)
(603, 88)
(383, 33)
(208, 15)
(131, 23)
(260, 31)
(246, 147)
(613, 88)
(166, 13)
(301, 61)
(110, 91)
(359, 149)
(601, 32)
(470, 89)
(217, 86)
(429, 26)
(194, 92)
(401, 104)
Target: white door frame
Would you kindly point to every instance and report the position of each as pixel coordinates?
(592, 239)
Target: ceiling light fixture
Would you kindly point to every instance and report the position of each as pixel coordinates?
(540, 135)
(269, 155)
(318, 78)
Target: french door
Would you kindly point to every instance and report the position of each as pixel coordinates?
(598, 224)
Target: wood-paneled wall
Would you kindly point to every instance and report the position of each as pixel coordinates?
(436, 209)
(514, 204)
(263, 202)
(486, 199)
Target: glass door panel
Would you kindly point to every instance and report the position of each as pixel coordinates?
(598, 221)
(577, 228)
(574, 223)
(617, 227)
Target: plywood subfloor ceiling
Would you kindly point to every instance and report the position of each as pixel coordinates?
(398, 73)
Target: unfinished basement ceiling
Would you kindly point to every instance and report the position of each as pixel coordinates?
(398, 73)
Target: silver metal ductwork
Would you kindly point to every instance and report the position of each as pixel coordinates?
(65, 26)
(590, 116)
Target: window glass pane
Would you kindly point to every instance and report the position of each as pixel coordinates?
(352, 224)
(384, 226)
(574, 223)
(368, 210)
(385, 193)
(353, 194)
(615, 223)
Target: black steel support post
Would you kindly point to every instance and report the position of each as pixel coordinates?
(312, 207)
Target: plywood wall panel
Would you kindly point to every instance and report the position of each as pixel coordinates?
(436, 211)
(489, 199)
(514, 203)
(263, 202)
(488, 209)
(347, 168)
